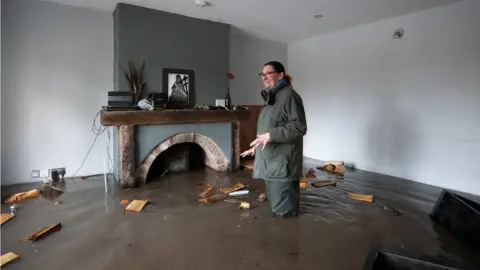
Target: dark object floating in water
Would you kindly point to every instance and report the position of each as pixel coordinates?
(395, 212)
(323, 183)
(460, 217)
(50, 191)
(384, 260)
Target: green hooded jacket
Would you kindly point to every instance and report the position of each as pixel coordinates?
(284, 118)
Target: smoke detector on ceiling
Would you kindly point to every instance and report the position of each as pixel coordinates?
(398, 33)
(202, 3)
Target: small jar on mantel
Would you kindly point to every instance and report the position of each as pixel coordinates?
(228, 100)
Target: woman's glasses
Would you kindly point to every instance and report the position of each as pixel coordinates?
(268, 73)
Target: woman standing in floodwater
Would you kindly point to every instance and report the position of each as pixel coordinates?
(278, 149)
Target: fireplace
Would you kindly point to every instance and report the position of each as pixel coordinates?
(142, 136)
(182, 157)
(182, 152)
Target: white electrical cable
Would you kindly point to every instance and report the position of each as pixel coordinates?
(107, 154)
(105, 171)
(98, 131)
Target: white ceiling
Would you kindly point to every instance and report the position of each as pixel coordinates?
(279, 20)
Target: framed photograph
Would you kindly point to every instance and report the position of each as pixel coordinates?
(179, 85)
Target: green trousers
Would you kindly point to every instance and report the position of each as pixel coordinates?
(283, 197)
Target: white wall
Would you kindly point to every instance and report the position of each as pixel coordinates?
(57, 69)
(247, 57)
(408, 107)
(0, 89)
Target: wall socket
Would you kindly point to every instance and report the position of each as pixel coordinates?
(57, 172)
(35, 173)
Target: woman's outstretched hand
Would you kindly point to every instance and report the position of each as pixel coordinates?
(261, 139)
(249, 152)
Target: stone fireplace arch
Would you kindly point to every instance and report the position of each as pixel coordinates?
(214, 156)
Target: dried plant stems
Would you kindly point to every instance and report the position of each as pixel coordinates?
(134, 79)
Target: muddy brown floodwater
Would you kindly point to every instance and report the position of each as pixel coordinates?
(176, 232)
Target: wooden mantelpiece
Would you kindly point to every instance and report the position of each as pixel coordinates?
(126, 120)
(164, 117)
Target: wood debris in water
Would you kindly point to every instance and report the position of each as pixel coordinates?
(207, 192)
(334, 162)
(262, 197)
(22, 196)
(233, 188)
(136, 206)
(44, 232)
(213, 198)
(360, 197)
(323, 183)
(8, 257)
(208, 196)
(6, 217)
(333, 166)
(303, 182)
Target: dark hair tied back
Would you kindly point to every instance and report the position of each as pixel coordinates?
(278, 67)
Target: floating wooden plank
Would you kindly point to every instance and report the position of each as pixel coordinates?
(235, 187)
(303, 182)
(339, 169)
(22, 196)
(360, 197)
(44, 232)
(136, 206)
(333, 169)
(323, 183)
(213, 198)
(8, 257)
(6, 217)
(334, 162)
(207, 192)
(262, 197)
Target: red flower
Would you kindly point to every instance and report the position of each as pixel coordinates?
(230, 76)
